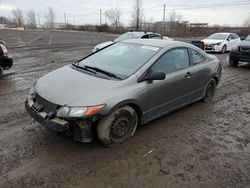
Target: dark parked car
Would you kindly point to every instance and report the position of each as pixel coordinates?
(241, 52)
(6, 61)
(119, 87)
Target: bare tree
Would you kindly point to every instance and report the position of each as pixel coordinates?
(174, 18)
(31, 19)
(114, 15)
(137, 14)
(50, 17)
(18, 17)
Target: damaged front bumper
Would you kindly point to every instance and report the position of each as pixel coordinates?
(81, 130)
(212, 48)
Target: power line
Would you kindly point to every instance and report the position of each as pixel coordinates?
(210, 6)
(213, 4)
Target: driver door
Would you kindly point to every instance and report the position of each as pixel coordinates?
(173, 92)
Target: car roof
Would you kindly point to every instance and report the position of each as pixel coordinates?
(142, 32)
(155, 42)
(224, 33)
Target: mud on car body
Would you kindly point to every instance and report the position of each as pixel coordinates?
(6, 61)
(112, 91)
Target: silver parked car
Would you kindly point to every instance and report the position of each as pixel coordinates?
(130, 35)
(129, 83)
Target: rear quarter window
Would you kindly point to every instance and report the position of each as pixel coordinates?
(196, 57)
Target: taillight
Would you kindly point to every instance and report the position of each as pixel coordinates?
(4, 49)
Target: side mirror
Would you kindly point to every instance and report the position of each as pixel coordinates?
(150, 76)
(242, 38)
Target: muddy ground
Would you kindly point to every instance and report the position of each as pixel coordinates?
(202, 145)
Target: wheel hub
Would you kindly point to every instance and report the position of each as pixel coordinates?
(120, 128)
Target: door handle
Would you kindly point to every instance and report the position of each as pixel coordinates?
(188, 75)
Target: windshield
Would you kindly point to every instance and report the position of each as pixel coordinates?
(247, 38)
(126, 36)
(218, 36)
(120, 59)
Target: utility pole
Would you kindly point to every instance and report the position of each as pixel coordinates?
(38, 20)
(65, 20)
(100, 16)
(164, 17)
(0, 15)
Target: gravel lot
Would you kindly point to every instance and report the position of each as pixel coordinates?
(202, 145)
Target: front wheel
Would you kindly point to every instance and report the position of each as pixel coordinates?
(117, 126)
(209, 92)
(233, 62)
(224, 49)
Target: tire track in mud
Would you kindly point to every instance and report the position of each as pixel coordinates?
(202, 145)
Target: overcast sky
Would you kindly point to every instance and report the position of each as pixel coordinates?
(87, 11)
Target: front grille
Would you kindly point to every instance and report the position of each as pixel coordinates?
(245, 49)
(47, 106)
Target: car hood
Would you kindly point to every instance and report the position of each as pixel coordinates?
(211, 41)
(102, 45)
(244, 43)
(67, 86)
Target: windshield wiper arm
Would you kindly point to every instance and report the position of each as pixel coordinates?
(103, 71)
(76, 64)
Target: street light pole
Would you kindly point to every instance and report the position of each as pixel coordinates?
(164, 17)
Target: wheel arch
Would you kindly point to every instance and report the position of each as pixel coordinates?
(130, 102)
(216, 78)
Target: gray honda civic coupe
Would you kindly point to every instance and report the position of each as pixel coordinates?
(109, 93)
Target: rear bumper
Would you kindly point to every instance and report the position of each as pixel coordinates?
(240, 56)
(6, 62)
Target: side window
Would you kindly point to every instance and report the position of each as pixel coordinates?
(145, 37)
(235, 36)
(154, 36)
(230, 37)
(172, 61)
(196, 57)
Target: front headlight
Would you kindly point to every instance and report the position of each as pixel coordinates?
(77, 112)
(219, 43)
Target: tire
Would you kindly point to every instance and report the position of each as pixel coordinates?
(209, 91)
(117, 126)
(1, 72)
(233, 62)
(224, 49)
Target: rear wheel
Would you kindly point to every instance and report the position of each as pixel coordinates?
(118, 126)
(1, 72)
(233, 62)
(224, 49)
(209, 92)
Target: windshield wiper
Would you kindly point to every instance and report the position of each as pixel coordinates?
(76, 64)
(103, 71)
